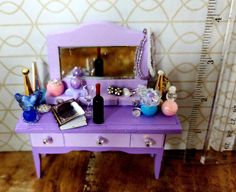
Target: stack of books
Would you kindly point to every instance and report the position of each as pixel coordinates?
(69, 115)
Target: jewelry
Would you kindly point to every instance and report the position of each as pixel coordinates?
(138, 57)
(110, 90)
(44, 108)
(128, 92)
(136, 111)
(118, 91)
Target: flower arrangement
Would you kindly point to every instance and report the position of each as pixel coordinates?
(148, 96)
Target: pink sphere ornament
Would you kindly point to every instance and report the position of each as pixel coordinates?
(55, 87)
(169, 108)
(76, 82)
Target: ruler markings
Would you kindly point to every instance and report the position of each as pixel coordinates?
(205, 62)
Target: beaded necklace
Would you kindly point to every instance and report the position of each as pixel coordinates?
(139, 56)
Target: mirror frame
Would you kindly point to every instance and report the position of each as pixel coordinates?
(99, 34)
(96, 34)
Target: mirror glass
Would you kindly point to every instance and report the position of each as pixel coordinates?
(114, 62)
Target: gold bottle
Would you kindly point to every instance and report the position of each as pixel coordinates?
(27, 84)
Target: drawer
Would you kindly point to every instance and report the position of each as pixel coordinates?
(97, 140)
(147, 140)
(47, 140)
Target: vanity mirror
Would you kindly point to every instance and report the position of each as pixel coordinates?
(123, 55)
(117, 62)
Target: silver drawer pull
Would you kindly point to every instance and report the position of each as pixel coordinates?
(101, 140)
(149, 142)
(48, 140)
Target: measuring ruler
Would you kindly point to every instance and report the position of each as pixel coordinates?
(228, 109)
(223, 107)
(227, 135)
(198, 95)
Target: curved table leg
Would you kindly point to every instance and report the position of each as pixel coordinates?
(37, 162)
(157, 162)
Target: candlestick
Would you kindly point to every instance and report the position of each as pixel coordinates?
(35, 78)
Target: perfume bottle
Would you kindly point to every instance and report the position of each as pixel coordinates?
(27, 84)
(171, 94)
(55, 87)
(170, 107)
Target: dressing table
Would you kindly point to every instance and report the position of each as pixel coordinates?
(121, 131)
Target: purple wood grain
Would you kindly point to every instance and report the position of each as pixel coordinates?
(157, 162)
(61, 150)
(90, 139)
(108, 99)
(117, 120)
(158, 153)
(37, 161)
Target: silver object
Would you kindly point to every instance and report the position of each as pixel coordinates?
(59, 100)
(149, 142)
(43, 108)
(101, 140)
(136, 112)
(48, 140)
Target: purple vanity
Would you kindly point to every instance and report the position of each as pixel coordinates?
(121, 131)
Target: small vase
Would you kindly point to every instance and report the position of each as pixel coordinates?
(148, 110)
(30, 116)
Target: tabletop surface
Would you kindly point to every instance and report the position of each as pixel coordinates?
(117, 120)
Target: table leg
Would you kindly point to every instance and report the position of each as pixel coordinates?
(157, 162)
(37, 162)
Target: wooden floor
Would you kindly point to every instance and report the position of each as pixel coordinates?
(115, 172)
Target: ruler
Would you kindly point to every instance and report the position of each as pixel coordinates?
(229, 87)
(198, 94)
(227, 128)
(229, 132)
(226, 84)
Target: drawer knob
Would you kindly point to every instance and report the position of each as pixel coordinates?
(48, 140)
(149, 142)
(101, 140)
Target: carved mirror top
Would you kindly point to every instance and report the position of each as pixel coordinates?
(125, 54)
(77, 47)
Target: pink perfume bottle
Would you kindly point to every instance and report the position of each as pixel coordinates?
(55, 87)
(170, 107)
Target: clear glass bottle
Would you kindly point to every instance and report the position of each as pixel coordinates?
(171, 95)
